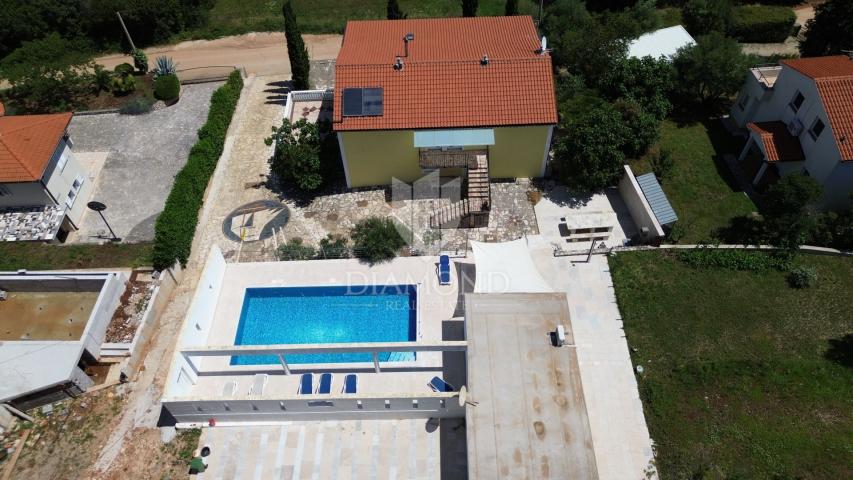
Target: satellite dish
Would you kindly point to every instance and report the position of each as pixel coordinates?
(463, 395)
(544, 44)
(96, 206)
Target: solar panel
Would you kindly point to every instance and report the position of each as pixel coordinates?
(360, 102)
(352, 102)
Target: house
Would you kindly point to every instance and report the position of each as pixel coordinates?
(661, 43)
(39, 175)
(799, 119)
(461, 96)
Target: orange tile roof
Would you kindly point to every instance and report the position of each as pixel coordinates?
(779, 145)
(26, 144)
(443, 84)
(833, 77)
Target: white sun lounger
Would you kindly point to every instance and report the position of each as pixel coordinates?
(258, 384)
(229, 389)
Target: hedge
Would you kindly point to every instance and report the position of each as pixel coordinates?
(167, 88)
(175, 227)
(762, 23)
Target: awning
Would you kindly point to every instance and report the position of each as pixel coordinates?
(459, 137)
(506, 268)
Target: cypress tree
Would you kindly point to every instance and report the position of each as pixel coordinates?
(469, 8)
(511, 8)
(300, 64)
(394, 12)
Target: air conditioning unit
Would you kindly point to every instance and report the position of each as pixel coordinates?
(795, 127)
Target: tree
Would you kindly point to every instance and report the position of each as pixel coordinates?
(469, 8)
(787, 208)
(48, 75)
(394, 12)
(376, 239)
(297, 156)
(511, 8)
(561, 17)
(646, 81)
(710, 71)
(642, 127)
(589, 154)
(601, 5)
(300, 64)
(23, 21)
(830, 31)
(591, 51)
(702, 17)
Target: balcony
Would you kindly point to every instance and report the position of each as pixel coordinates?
(766, 74)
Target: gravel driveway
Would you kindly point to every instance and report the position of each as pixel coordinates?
(145, 153)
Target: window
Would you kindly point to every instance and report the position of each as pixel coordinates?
(817, 128)
(797, 101)
(744, 101)
(63, 159)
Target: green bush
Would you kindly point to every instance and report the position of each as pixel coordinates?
(333, 247)
(175, 227)
(137, 106)
(167, 88)
(802, 277)
(762, 23)
(122, 85)
(376, 239)
(734, 259)
(662, 164)
(140, 61)
(124, 69)
(295, 250)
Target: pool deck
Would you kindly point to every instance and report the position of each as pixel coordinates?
(436, 304)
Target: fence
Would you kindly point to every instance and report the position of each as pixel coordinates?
(326, 95)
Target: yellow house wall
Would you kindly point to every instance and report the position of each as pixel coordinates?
(375, 157)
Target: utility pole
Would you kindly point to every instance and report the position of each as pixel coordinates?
(132, 46)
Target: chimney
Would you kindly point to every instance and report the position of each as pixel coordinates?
(406, 39)
(398, 64)
(485, 60)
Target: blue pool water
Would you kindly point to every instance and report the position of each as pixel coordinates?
(347, 314)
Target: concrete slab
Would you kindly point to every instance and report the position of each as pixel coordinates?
(527, 418)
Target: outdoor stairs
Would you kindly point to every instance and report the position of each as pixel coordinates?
(473, 211)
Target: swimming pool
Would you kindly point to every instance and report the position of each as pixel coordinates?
(345, 314)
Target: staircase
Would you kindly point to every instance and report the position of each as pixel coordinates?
(474, 210)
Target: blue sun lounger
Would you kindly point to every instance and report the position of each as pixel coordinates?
(351, 383)
(325, 387)
(440, 385)
(444, 270)
(306, 384)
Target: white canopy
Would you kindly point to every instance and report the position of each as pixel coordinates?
(660, 43)
(506, 268)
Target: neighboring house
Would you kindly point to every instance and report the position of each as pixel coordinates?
(799, 118)
(38, 168)
(661, 43)
(461, 96)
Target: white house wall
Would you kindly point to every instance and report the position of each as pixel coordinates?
(107, 303)
(59, 182)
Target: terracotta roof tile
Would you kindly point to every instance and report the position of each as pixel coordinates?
(443, 83)
(26, 144)
(822, 67)
(779, 145)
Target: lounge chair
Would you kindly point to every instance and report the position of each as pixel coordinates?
(325, 386)
(439, 385)
(229, 389)
(350, 383)
(444, 270)
(258, 384)
(306, 384)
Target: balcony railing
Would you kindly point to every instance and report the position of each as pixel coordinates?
(449, 158)
(767, 74)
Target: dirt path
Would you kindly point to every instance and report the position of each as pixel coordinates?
(258, 53)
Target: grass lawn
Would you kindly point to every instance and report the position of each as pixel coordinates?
(38, 256)
(231, 17)
(744, 376)
(700, 189)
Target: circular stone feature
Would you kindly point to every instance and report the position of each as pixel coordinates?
(256, 220)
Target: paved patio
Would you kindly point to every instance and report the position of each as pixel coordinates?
(376, 449)
(143, 154)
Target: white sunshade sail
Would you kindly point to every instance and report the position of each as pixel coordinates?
(506, 268)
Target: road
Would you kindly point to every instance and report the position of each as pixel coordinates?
(261, 54)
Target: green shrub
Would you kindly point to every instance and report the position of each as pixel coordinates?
(762, 23)
(734, 259)
(137, 106)
(140, 61)
(167, 88)
(165, 66)
(122, 85)
(802, 277)
(333, 247)
(295, 250)
(662, 164)
(376, 239)
(702, 17)
(124, 69)
(101, 79)
(175, 227)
